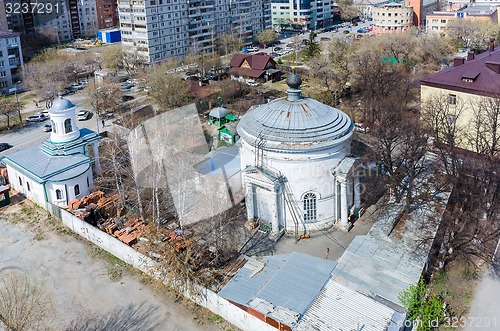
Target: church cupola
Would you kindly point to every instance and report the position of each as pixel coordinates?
(63, 121)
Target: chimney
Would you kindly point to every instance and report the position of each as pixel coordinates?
(458, 61)
(470, 55)
(494, 66)
(492, 45)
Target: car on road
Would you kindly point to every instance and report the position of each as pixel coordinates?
(252, 49)
(361, 30)
(4, 146)
(46, 113)
(83, 115)
(38, 117)
(277, 48)
(65, 91)
(346, 31)
(47, 128)
(274, 54)
(76, 87)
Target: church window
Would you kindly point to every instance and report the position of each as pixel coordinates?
(53, 127)
(310, 207)
(67, 126)
(28, 186)
(58, 194)
(77, 190)
(20, 182)
(88, 184)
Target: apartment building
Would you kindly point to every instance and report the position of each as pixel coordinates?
(392, 17)
(437, 21)
(301, 14)
(11, 61)
(158, 29)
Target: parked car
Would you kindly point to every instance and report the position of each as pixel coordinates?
(212, 76)
(360, 126)
(65, 91)
(288, 49)
(47, 128)
(361, 30)
(195, 78)
(277, 48)
(46, 113)
(39, 117)
(346, 31)
(274, 54)
(83, 115)
(252, 49)
(127, 97)
(76, 87)
(325, 39)
(4, 146)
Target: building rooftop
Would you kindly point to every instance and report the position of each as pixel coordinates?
(280, 286)
(339, 308)
(61, 105)
(42, 167)
(485, 66)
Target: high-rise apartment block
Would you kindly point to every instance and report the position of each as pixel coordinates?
(62, 19)
(302, 14)
(11, 61)
(158, 29)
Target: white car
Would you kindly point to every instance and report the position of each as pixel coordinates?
(252, 49)
(83, 115)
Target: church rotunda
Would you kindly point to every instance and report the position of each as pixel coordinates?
(296, 168)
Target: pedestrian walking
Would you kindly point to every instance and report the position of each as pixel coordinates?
(103, 123)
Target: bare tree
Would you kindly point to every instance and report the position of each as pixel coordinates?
(25, 304)
(484, 133)
(9, 108)
(267, 36)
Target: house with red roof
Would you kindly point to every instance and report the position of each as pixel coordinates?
(253, 66)
(472, 82)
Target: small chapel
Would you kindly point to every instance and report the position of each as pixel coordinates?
(61, 168)
(297, 171)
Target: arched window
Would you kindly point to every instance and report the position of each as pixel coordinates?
(28, 186)
(310, 207)
(53, 126)
(88, 183)
(77, 190)
(58, 194)
(67, 125)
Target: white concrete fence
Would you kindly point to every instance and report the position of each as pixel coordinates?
(208, 299)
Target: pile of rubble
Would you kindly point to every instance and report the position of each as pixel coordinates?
(94, 206)
(127, 231)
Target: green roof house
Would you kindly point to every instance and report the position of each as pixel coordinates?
(228, 133)
(220, 116)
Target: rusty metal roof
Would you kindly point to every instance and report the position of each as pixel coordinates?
(295, 126)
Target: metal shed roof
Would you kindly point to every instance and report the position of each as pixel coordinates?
(288, 282)
(339, 308)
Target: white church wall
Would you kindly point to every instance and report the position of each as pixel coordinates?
(35, 192)
(209, 299)
(305, 173)
(68, 188)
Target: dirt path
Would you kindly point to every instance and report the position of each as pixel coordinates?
(82, 288)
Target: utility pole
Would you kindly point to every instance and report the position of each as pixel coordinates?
(95, 106)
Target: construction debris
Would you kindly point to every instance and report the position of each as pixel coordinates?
(127, 231)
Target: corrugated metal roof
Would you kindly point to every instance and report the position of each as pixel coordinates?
(340, 308)
(290, 281)
(295, 126)
(43, 166)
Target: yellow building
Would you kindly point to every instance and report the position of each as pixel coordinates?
(437, 21)
(464, 88)
(392, 17)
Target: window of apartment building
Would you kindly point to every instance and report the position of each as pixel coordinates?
(452, 99)
(435, 21)
(395, 14)
(1, 64)
(434, 28)
(389, 14)
(3, 84)
(383, 14)
(153, 2)
(443, 21)
(3, 74)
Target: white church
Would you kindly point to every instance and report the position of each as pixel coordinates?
(296, 168)
(60, 169)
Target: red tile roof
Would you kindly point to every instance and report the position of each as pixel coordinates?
(483, 67)
(257, 61)
(247, 72)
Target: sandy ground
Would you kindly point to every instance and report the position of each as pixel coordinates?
(485, 309)
(82, 288)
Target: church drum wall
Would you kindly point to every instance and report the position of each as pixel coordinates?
(306, 172)
(67, 188)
